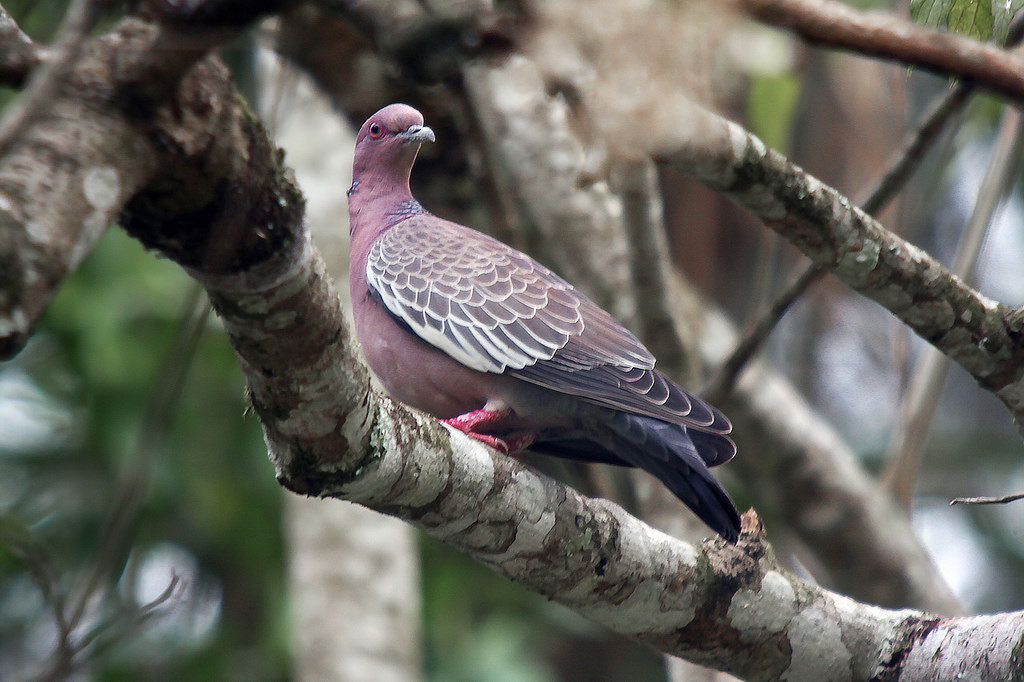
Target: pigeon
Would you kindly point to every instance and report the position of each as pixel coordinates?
(483, 337)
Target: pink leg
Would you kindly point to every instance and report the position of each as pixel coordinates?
(469, 423)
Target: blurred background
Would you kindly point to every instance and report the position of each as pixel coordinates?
(136, 499)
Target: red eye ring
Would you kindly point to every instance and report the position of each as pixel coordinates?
(376, 131)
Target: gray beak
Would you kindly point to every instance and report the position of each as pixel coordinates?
(418, 134)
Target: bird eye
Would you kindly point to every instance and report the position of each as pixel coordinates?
(375, 130)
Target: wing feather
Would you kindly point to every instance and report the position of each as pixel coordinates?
(496, 310)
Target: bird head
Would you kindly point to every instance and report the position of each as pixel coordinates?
(389, 140)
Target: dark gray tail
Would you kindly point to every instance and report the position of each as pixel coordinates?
(677, 455)
(680, 456)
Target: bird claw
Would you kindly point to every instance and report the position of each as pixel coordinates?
(495, 442)
(519, 442)
(510, 446)
(469, 422)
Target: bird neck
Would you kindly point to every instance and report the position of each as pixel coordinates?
(377, 197)
(379, 188)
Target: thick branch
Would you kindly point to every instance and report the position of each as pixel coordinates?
(880, 34)
(983, 336)
(79, 149)
(82, 16)
(906, 450)
(899, 168)
(729, 607)
(328, 434)
(93, 146)
(354, 588)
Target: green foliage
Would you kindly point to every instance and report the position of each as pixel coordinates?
(41, 19)
(100, 427)
(1004, 13)
(980, 19)
(770, 107)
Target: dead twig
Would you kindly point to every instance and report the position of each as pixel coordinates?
(887, 36)
(906, 449)
(987, 500)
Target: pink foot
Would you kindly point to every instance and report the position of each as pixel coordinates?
(471, 421)
(495, 442)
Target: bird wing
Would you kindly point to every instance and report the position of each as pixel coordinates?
(497, 310)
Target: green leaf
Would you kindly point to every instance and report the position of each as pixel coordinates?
(930, 12)
(977, 19)
(1003, 12)
(770, 106)
(972, 18)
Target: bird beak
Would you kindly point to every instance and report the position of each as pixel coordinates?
(418, 134)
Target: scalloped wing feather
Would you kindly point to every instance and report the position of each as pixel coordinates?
(497, 310)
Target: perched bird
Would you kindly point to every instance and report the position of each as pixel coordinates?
(483, 337)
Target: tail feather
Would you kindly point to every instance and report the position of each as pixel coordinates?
(677, 455)
(713, 448)
(680, 456)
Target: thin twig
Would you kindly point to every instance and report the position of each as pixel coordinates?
(20, 542)
(901, 166)
(757, 334)
(132, 488)
(887, 36)
(134, 485)
(906, 449)
(987, 500)
(129, 617)
(915, 144)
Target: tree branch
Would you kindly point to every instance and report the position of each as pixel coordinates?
(353, 577)
(18, 54)
(901, 165)
(329, 434)
(983, 336)
(881, 34)
(905, 452)
(92, 164)
(867, 547)
(1006, 499)
(98, 151)
(81, 17)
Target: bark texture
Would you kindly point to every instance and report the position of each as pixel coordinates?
(353, 574)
